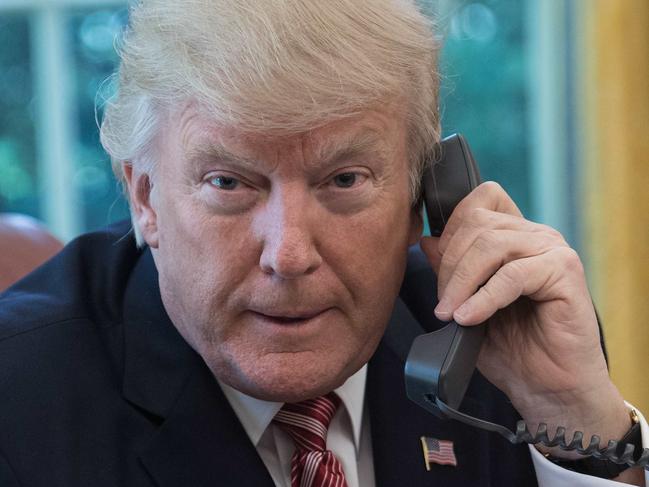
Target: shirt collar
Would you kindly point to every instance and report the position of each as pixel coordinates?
(256, 415)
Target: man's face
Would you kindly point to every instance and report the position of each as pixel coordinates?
(280, 258)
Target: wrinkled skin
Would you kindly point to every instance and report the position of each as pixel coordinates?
(279, 264)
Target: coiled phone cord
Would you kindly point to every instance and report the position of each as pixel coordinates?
(523, 435)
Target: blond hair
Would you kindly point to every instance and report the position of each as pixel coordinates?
(274, 67)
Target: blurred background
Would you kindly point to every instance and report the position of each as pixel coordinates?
(553, 96)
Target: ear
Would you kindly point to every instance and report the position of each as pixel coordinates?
(416, 225)
(143, 213)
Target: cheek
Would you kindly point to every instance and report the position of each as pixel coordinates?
(369, 255)
(372, 249)
(201, 260)
(190, 233)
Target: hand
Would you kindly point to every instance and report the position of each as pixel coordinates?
(542, 346)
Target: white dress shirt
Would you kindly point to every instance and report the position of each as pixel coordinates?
(348, 437)
(350, 440)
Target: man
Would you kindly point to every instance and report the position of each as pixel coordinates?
(271, 153)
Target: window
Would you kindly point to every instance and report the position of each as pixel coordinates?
(484, 91)
(18, 182)
(95, 59)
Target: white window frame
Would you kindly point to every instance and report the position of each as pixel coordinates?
(554, 120)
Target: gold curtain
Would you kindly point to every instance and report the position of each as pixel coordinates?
(614, 47)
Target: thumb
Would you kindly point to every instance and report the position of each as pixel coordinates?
(430, 247)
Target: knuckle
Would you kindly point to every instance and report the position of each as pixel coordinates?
(511, 274)
(449, 259)
(552, 233)
(544, 243)
(490, 187)
(570, 259)
(463, 274)
(505, 284)
(443, 278)
(478, 217)
(488, 294)
(487, 241)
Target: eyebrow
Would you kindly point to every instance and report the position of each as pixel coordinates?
(205, 155)
(368, 142)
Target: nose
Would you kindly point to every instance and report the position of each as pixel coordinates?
(286, 227)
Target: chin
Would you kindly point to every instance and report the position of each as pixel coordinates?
(288, 393)
(290, 377)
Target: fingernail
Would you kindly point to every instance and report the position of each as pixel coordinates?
(461, 313)
(442, 312)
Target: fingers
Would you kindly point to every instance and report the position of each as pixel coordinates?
(488, 196)
(488, 243)
(474, 223)
(489, 251)
(482, 229)
(537, 277)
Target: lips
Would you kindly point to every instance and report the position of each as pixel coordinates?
(288, 317)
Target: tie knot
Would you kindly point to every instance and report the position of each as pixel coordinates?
(307, 422)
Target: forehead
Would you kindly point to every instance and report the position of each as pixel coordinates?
(381, 129)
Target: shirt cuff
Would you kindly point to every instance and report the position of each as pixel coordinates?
(549, 474)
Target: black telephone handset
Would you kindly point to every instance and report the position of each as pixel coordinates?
(440, 364)
(445, 359)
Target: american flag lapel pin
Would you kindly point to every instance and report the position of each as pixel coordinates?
(438, 451)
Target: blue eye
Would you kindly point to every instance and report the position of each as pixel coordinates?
(345, 179)
(224, 182)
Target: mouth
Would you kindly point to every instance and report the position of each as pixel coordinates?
(289, 318)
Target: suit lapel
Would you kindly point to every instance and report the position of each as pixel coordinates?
(397, 424)
(197, 439)
(202, 442)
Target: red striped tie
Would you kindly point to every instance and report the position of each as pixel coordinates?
(307, 422)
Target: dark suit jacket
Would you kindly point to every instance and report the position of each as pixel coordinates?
(97, 388)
